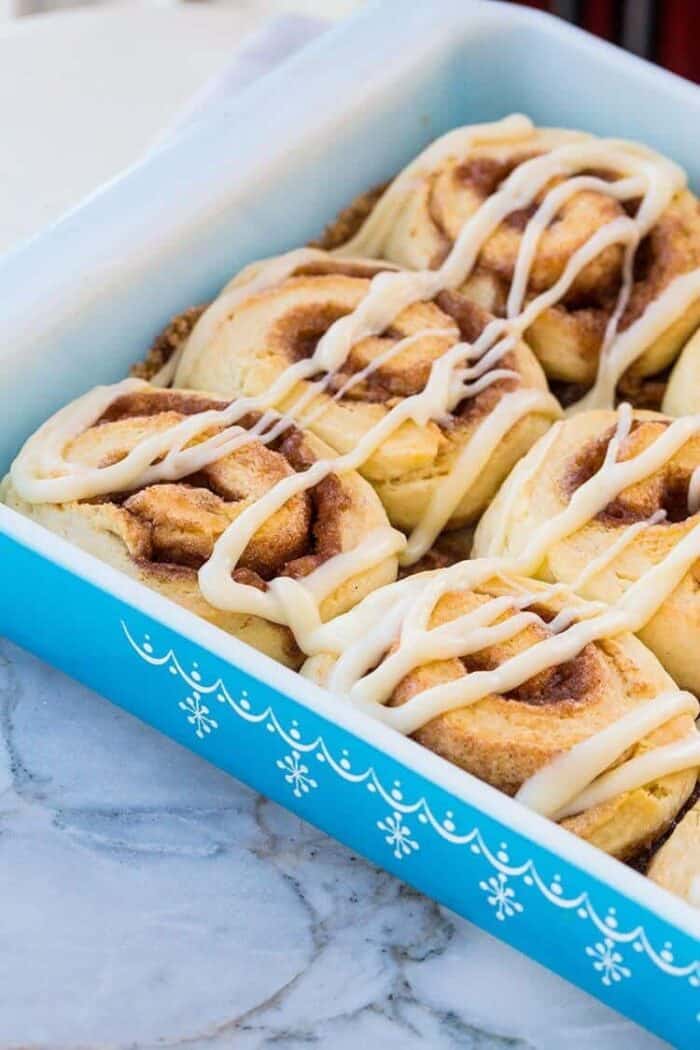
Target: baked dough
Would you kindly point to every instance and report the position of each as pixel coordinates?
(546, 488)
(567, 337)
(161, 534)
(676, 865)
(505, 739)
(682, 395)
(269, 331)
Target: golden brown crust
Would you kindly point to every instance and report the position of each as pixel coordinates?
(566, 337)
(163, 533)
(672, 247)
(675, 864)
(296, 334)
(575, 455)
(506, 738)
(167, 342)
(469, 184)
(348, 222)
(178, 330)
(178, 524)
(277, 327)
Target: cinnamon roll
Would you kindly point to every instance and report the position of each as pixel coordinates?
(394, 378)
(523, 685)
(154, 481)
(682, 396)
(625, 487)
(596, 229)
(676, 865)
(435, 407)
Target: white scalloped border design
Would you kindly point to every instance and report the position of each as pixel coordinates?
(605, 954)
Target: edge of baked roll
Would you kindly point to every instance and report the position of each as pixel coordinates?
(162, 533)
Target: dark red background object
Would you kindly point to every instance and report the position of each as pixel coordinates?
(679, 39)
(602, 18)
(665, 31)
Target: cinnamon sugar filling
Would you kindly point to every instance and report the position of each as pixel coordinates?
(153, 402)
(669, 250)
(571, 683)
(565, 686)
(297, 333)
(485, 174)
(665, 490)
(350, 219)
(597, 283)
(176, 525)
(168, 342)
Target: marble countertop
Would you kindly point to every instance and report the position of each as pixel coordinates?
(148, 900)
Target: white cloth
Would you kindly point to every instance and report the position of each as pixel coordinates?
(106, 80)
(261, 51)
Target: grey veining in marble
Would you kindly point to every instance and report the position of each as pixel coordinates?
(147, 900)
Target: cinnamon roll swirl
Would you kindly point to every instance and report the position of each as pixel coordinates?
(160, 520)
(636, 477)
(395, 377)
(608, 223)
(477, 678)
(367, 360)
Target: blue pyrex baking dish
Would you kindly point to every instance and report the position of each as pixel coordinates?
(83, 300)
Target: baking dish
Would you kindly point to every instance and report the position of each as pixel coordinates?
(81, 302)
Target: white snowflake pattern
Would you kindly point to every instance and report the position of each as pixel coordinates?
(398, 835)
(198, 715)
(501, 896)
(605, 957)
(608, 961)
(297, 774)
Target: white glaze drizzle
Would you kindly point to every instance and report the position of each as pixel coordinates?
(615, 358)
(558, 786)
(410, 643)
(390, 292)
(694, 492)
(635, 773)
(371, 238)
(675, 299)
(694, 892)
(43, 473)
(645, 175)
(297, 601)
